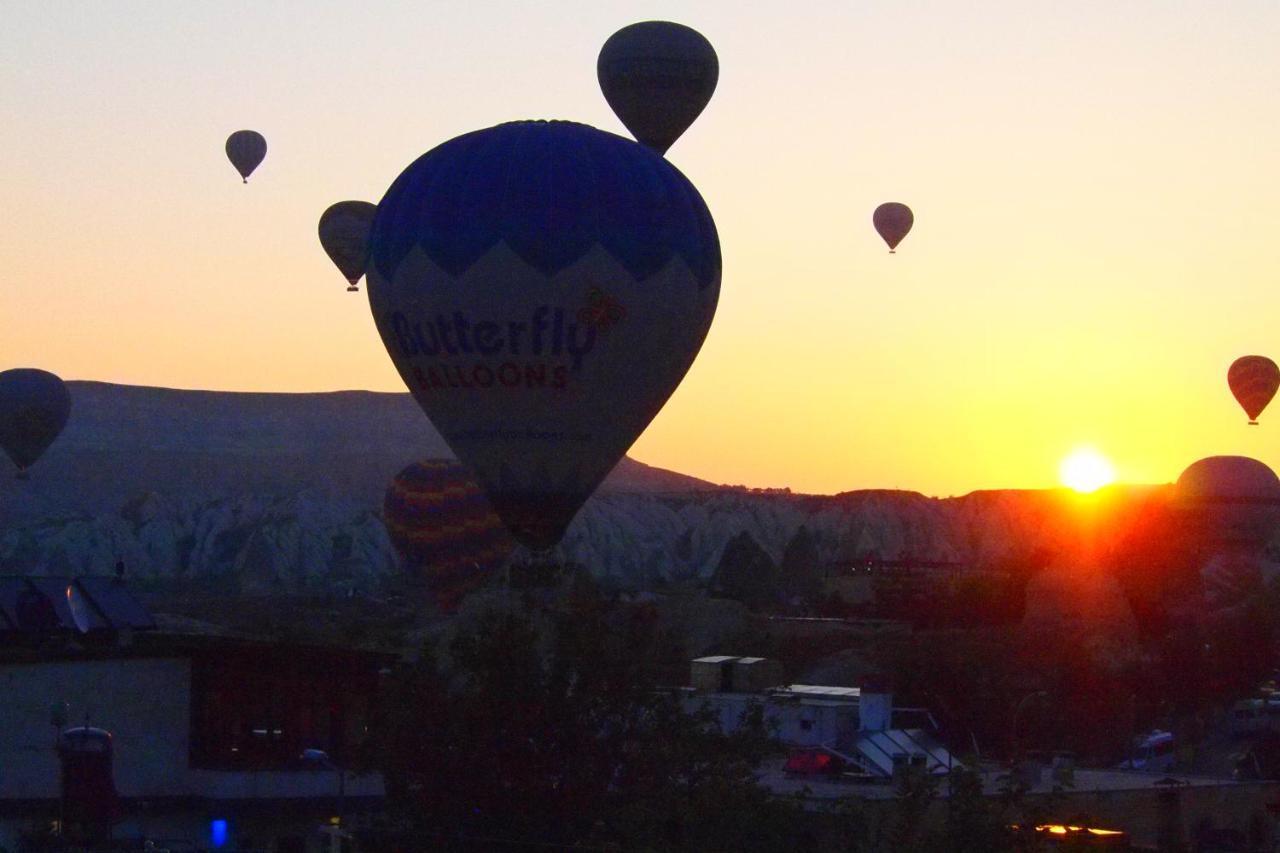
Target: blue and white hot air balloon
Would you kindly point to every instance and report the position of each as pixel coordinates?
(542, 288)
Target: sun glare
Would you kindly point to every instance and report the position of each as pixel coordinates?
(1086, 470)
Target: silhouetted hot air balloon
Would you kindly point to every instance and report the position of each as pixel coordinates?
(542, 288)
(344, 234)
(893, 221)
(1253, 380)
(245, 150)
(657, 77)
(34, 407)
(444, 529)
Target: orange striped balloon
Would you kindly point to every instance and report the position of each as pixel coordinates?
(1253, 380)
(444, 529)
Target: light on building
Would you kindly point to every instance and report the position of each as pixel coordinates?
(218, 832)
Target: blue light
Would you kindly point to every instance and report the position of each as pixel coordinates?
(218, 832)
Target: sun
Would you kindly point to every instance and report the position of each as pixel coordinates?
(1086, 470)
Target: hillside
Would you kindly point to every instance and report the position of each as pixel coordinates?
(282, 493)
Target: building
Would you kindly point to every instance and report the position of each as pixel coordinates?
(212, 742)
(853, 727)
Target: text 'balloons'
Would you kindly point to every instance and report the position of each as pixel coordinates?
(542, 288)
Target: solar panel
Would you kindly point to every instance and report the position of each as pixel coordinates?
(10, 589)
(113, 599)
(55, 590)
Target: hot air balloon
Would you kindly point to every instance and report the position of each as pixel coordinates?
(1253, 380)
(893, 222)
(344, 234)
(34, 407)
(444, 529)
(657, 77)
(542, 288)
(245, 150)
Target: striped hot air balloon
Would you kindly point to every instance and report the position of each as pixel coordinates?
(1253, 380)
(444, 529)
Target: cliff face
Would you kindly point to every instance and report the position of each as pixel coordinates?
(281, 493)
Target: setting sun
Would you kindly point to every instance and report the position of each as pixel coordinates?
(1086, 470)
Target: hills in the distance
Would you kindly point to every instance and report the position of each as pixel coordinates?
(282, 493)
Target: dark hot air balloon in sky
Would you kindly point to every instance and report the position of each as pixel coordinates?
(542, 288)
(893, 221)
(657, 77)
(444, 529)
(344, 234)
(1253, 380)
(245, 150)
(34, 407)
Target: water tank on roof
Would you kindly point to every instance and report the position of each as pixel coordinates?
(88, 782)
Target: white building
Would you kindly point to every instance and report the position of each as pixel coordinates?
(208, 733)
(854, 725)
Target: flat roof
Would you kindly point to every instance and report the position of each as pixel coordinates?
(818, 690)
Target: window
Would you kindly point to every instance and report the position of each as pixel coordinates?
(260, 708)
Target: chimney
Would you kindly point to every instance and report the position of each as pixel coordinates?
(875, 705)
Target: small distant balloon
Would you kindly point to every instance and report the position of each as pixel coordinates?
(1253, 380)
(344, 234)
(444, 529)
(246, 149)
(893, 221)
(34, 407)
(657, 77)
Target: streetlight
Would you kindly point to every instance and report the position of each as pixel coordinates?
(319, 756)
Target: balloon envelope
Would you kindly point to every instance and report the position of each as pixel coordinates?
(892, 221)
(542, 288)
(1253, 380)
(34, 407)
(444, 529)
(344, 234)
(246, 149)
(657, 77)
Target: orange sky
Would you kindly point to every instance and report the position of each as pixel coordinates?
(1096, 190)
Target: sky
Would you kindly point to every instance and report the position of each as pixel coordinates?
(1096, 189)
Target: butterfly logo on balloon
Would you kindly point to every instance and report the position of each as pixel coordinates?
(601, 311)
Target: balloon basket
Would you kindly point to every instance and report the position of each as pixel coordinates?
(1253, 423)
(893, 251)
(22, 475)
(353, 289)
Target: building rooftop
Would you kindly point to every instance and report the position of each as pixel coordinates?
(818, 788)
(817, 690)
(78, 605)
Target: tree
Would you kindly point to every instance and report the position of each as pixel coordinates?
(550, 727)
(802, 567)
(747, 574)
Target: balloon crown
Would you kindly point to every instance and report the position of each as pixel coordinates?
(552, 191)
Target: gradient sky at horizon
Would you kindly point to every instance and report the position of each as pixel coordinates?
(1096, 187)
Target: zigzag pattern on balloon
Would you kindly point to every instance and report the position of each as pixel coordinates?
(458, 201)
